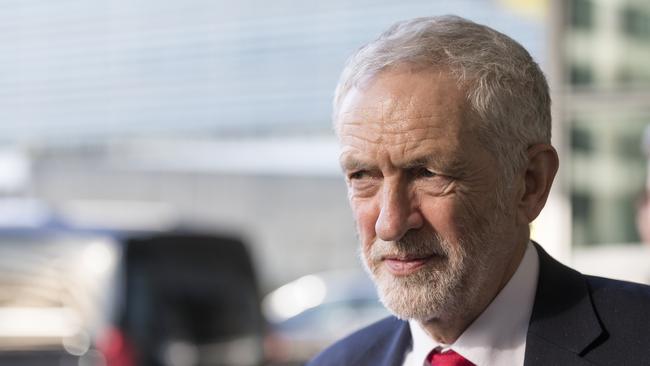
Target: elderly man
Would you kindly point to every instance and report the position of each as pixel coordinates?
(445, 132)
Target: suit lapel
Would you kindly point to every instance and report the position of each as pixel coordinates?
(391, 349)
(563, 322)
(397, 346)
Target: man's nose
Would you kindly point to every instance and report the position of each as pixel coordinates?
(398, 213)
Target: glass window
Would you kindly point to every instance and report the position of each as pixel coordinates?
(581, 13)
(580, 75)
(607, 173)
(581, 140)
(635, 22)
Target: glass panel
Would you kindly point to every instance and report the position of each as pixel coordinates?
(607, 174)
(607, 44)
(581, 14)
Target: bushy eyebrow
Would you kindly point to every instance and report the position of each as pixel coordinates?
(352, 163)
(424, 161)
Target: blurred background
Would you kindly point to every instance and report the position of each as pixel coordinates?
(169, 185)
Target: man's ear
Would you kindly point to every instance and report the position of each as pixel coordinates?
(539, 172)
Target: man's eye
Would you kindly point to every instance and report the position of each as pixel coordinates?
(358, 174)
(424, 173)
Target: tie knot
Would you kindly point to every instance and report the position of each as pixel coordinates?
(449, 358)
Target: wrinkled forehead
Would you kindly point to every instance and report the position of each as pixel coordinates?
(405, 101)
(395, 125)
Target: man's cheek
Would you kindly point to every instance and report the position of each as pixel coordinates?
(366, 219)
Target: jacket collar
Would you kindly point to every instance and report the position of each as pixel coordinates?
(564, 323)
(390, 349)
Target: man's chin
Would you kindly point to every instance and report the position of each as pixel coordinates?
(421, 294)
(398, 305)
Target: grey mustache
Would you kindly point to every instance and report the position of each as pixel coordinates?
(408, 247)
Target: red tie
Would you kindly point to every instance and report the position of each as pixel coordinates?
(449, 358)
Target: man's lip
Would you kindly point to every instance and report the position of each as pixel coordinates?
(401, 266)
(405, 258)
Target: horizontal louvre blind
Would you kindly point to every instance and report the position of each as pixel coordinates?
(78, 69)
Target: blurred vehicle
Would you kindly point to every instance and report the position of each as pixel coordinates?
(71, 296)
(191, 300)
(312, 312)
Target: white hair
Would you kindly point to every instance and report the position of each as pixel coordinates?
(506, 89)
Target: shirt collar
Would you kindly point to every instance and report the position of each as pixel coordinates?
(498, 335)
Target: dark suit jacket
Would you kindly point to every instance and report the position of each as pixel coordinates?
(576, 320)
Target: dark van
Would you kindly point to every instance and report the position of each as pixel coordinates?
(191, 300)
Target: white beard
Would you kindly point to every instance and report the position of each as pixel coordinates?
(444, 288)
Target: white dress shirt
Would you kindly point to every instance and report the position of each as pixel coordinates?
(498, 336)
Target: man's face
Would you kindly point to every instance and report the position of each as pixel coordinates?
(423, 192)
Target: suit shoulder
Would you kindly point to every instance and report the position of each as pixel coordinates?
(351, 349)
(622, 308)
(621, 292)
